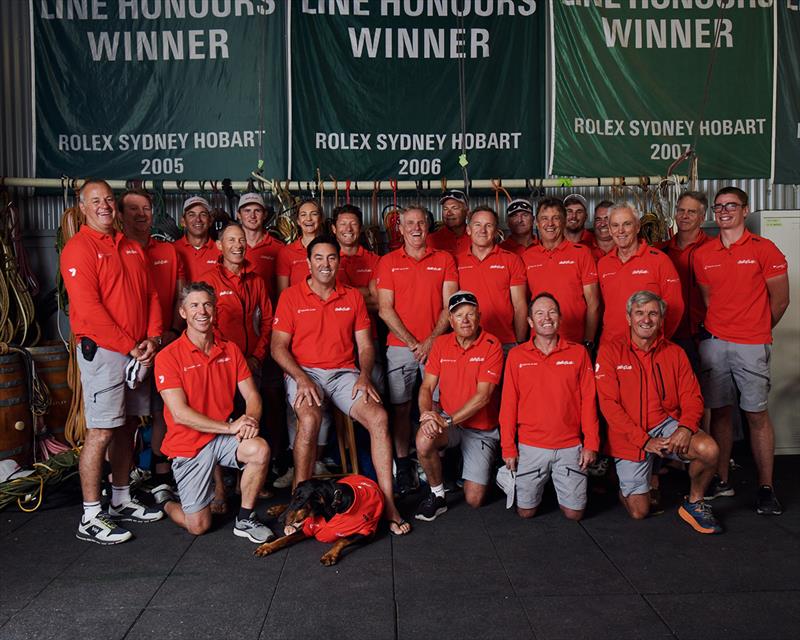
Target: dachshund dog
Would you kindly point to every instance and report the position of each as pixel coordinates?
(344, 512)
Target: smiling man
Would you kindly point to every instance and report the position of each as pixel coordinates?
(198, 375)
(414, 284)
(467, 365)
(558, 438)
(565, 269)
(635, 266)
(744, 282)
(262, 248)
(519, 215)
(496, 277)
(319, 328)
(576, 209)
(197, 248)
(651, 400)
(115, 317)
(603, 242)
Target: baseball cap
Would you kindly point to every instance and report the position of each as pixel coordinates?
(189, 202)
(10, 470)
(519, 204)
(251, 198)
(461, 297)
(572, 198)
(453, 194)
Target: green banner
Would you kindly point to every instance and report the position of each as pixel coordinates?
(376, 94)
(179, 89)
(787, 127)
(631, 91)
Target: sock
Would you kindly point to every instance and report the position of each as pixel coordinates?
(90, 510)
(245, 513)
(120, 495)
(438, 490)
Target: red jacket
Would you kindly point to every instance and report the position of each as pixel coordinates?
(621, 389)
(244, 312)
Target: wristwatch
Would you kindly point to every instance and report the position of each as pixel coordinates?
(448, 420)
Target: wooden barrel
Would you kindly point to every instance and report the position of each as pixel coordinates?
(51, 361)
(16, 425)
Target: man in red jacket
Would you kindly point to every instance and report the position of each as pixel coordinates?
(560, 437)
(115, 317)
(651, 399)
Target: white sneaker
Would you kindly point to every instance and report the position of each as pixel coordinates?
(285, 481)
(102, 530)
(135, 511)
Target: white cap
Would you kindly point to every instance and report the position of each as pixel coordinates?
(251, 198)
(189, 202)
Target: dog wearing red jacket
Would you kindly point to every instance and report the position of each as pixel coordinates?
(344, 511)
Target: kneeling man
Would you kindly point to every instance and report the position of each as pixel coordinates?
(548, 417)
(467, 365)
(319, 327)
(651, 399)
(197, 376)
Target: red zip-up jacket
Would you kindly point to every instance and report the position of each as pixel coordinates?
(621, 389)
(244, 312)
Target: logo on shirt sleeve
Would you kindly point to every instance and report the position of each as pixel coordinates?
(72, 271)
(161, 379)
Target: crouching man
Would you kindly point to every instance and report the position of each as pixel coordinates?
(197, 376)
(548, 417)
(651, 399)
(466, 365)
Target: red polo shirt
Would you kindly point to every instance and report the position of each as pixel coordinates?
(563, 271)
(587, 238)
(417, 286)
(166, 268)
(460, 370)
(197, 261)
(209, 383)
(694, 307)
(264, 257)
(738, 309)
(509, 244)
(548, 400)
(357, 270)
(647, 270)
(445, 240)
(322, 330)
(244, 311)
(490, 280)
(112, 299)
(293, 262)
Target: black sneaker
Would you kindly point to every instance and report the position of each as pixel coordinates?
(405, 478)
(718, 489)
(431, 507)
(767, 503)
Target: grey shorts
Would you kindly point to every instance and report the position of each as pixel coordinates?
(726, 366)
(194, 475)
(537, 465)
(401, 373)
(634, 475)
(107, 401)
(336, 385)
(478, 449)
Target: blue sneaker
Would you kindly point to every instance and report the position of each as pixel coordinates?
(699, 516)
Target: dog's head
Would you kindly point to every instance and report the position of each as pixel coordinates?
(314, 497)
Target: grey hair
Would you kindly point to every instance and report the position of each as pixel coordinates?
(197, 287)
(701, 197)
(643, 297)
(625, 204)
(413, 207)
(92, 183)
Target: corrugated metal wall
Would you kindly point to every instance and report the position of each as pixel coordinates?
(41, 214)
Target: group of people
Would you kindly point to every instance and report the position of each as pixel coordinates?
(516, 344)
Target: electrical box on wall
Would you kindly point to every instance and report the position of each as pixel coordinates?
(783, 228)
